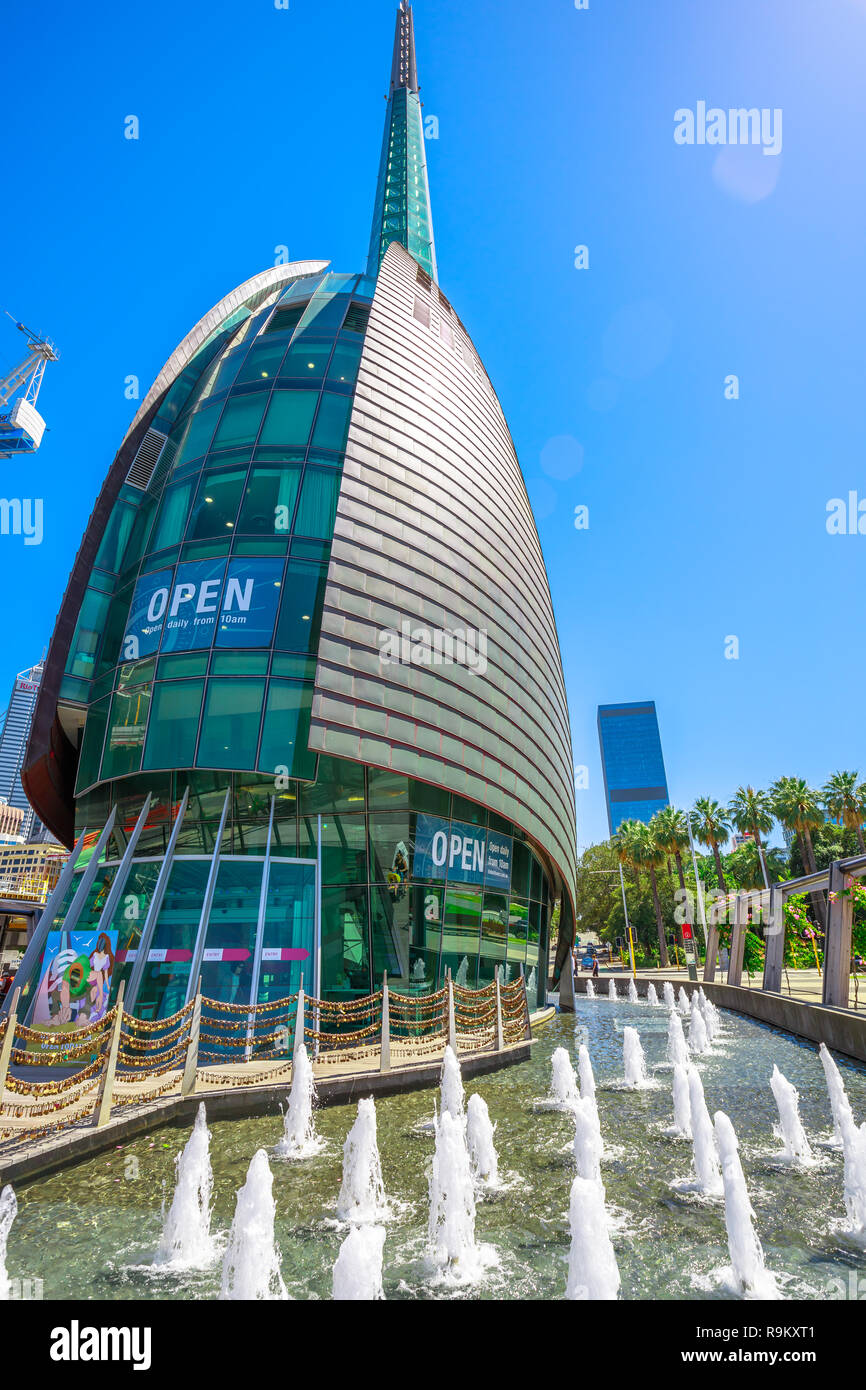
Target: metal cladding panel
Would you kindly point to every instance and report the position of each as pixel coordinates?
(434, 529)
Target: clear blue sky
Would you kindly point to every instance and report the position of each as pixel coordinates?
(707, 517)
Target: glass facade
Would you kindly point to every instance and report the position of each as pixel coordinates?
(635, 783)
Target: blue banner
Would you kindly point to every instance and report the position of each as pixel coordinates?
(206, 601)
(461, 853)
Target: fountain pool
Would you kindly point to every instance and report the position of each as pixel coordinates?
(88, 1231)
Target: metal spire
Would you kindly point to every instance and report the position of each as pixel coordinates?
(404, 70)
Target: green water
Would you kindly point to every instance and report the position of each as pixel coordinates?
(84, 1231)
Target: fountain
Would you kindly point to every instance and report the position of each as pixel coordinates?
(532, 984)
(839, 1102)
(451, 1085)
(854, 1149)
(682, 1103)
(651, 996)
(703, 1140)
(611, 990)
(683, 1004)
(588, 1146)
(362, 1194)
(462, 973)
(8, 1212)
(632, 992)
(593, 1273)
(699, 1042)
(750, 1278)
(186, 1241)
(479, 1141)
(668, 995)
(678, 1053)
(793, 1134)
(587, 1080)
(358, 1267)
(634, 1061)
(419, 972)
(451, 1226)
(299, 1132)
(251, 1265)
(590, 990)
(563, 1086)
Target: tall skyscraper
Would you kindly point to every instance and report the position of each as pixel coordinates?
(635, 784)
(13, 746)
(305, 690)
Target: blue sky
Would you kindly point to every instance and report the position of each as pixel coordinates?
(261, 127)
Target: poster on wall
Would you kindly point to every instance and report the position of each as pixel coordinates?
(75, 983)
(461, 853)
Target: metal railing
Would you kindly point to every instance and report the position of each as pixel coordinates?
(124, 1060)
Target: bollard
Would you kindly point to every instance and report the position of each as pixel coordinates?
(385, 1059)
(500, 1037)
(103, 1109)
(452, 1021)
(8, 1043)
(190, 1066)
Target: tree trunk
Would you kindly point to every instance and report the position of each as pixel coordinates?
(819, 905)
(663, 949)
(683, 889)
(860, 841)
(719, 871)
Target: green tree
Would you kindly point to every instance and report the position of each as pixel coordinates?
(797, 807)
(649, 855)
(712, 827)
(845, 800)
(671, 829)
(752, 813)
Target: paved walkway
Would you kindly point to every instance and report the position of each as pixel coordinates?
(804, 985)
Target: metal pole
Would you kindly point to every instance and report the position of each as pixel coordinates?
(8, 1042)
(103, 1110)
(627, 923)
(385, 1056)
(190, 1068)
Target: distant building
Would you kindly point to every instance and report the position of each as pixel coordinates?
(635, 783)
(13, 746)
(30, 871)
(11, 821)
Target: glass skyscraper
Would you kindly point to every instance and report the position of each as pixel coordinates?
(303, 709)
(13, 746)
(635, 784)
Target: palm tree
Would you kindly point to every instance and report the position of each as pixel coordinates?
(712, 827)
(671, 829)
(752, 868)
(845, 800)
(623, 842)
(752, 813)
(649, 854)
(797, 807)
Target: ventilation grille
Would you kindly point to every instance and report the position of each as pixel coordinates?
(162, 469)
(284, 319)
(423, 278)
(144, 464)
(357, 318)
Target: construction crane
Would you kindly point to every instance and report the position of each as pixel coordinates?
(22, 427)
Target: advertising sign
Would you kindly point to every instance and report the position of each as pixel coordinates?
(461, 853)
(75, 983)
(234, 603)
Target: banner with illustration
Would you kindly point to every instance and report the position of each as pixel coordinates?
(75, 984)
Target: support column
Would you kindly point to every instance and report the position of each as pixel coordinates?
(190, 1067)
(837, 942)
(452, 1019)
(738, 941)
(8, 1043)
(774, 941)
(385, 1057)
(103, 1109)
(566, 984)
(500, 1038)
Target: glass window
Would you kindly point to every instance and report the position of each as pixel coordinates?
(166, 974)
(518, 925)
(462, 923)
(344, 850)
(240, 420)
(345, 949)
(230, 940)
(286, 731)
(263, 362)
(290, 415)
(388, 790)
(494, 925)
(126, 732)
(230, 727)
(390, 847)
(339, 786)
(88, 631)
(318, 505)
(173, 667)
(128, 920)
(344, 363)
(216, 506)
(306, 361)
(207, 794)
(91, 747)
(521, 865)
(249, 607)
(171, 737)
(390, 925)
(468, 811)
(332, 423)
(172, 516)
(537, 877)
(113, 544)
(198, 435)
(192, 612)
(269, 500)
(239, 664)
(423, 797)
(289, 927)
(430, 950)
(301, 607)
